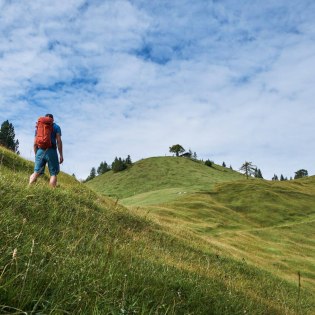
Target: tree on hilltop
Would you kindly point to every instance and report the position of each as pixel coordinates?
(248, 169)
(300, 173)
(223, 164)
(177, 149)
(7, 137)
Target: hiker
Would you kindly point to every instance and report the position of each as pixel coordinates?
(47, 140)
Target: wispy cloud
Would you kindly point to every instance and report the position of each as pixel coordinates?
(232, 81)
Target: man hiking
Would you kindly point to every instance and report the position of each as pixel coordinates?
(47, 140)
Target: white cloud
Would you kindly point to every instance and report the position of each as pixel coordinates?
(231, 82)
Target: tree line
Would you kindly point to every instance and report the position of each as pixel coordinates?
(298, 174)
(117, 165)
(247, 168)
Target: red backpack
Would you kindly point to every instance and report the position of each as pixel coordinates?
(44, 129)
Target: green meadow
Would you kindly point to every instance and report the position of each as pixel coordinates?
(157, 173)
(166, 236)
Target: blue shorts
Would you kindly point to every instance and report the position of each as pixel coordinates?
(49, 156)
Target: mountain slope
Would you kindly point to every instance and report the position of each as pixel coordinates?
(269, 224)
(71, 251)
(159, 173)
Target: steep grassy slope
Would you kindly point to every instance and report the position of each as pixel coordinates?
(71, 251)
(162, 173)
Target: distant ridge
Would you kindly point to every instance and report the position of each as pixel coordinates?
(158, 173)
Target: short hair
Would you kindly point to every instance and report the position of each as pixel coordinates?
(50, 115)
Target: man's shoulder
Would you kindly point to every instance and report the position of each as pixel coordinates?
(57, 128)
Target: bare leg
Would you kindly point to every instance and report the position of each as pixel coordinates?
(33, 178)
(53, 181)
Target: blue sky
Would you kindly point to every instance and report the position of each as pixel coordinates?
(231, 80)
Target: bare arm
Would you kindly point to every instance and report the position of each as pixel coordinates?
(59, 146)
(35, 146)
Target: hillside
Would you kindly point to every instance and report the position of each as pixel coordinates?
(268, 224)
(71, 251)
(162, 173)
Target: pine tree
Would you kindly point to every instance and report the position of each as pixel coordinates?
(103, 168)
(92, 174)
(118, 165)
(223, 164)
(281, 177)
(275, 177)
(208, 163)
(248, 168)
(7, 137)
(128, 160)
(258, 173)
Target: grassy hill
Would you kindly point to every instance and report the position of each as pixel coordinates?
(72, 251)
(162, 173)
(269, 225)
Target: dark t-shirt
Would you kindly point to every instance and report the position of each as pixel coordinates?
(56, 129)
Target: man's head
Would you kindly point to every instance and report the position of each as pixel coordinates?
(50, 115)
